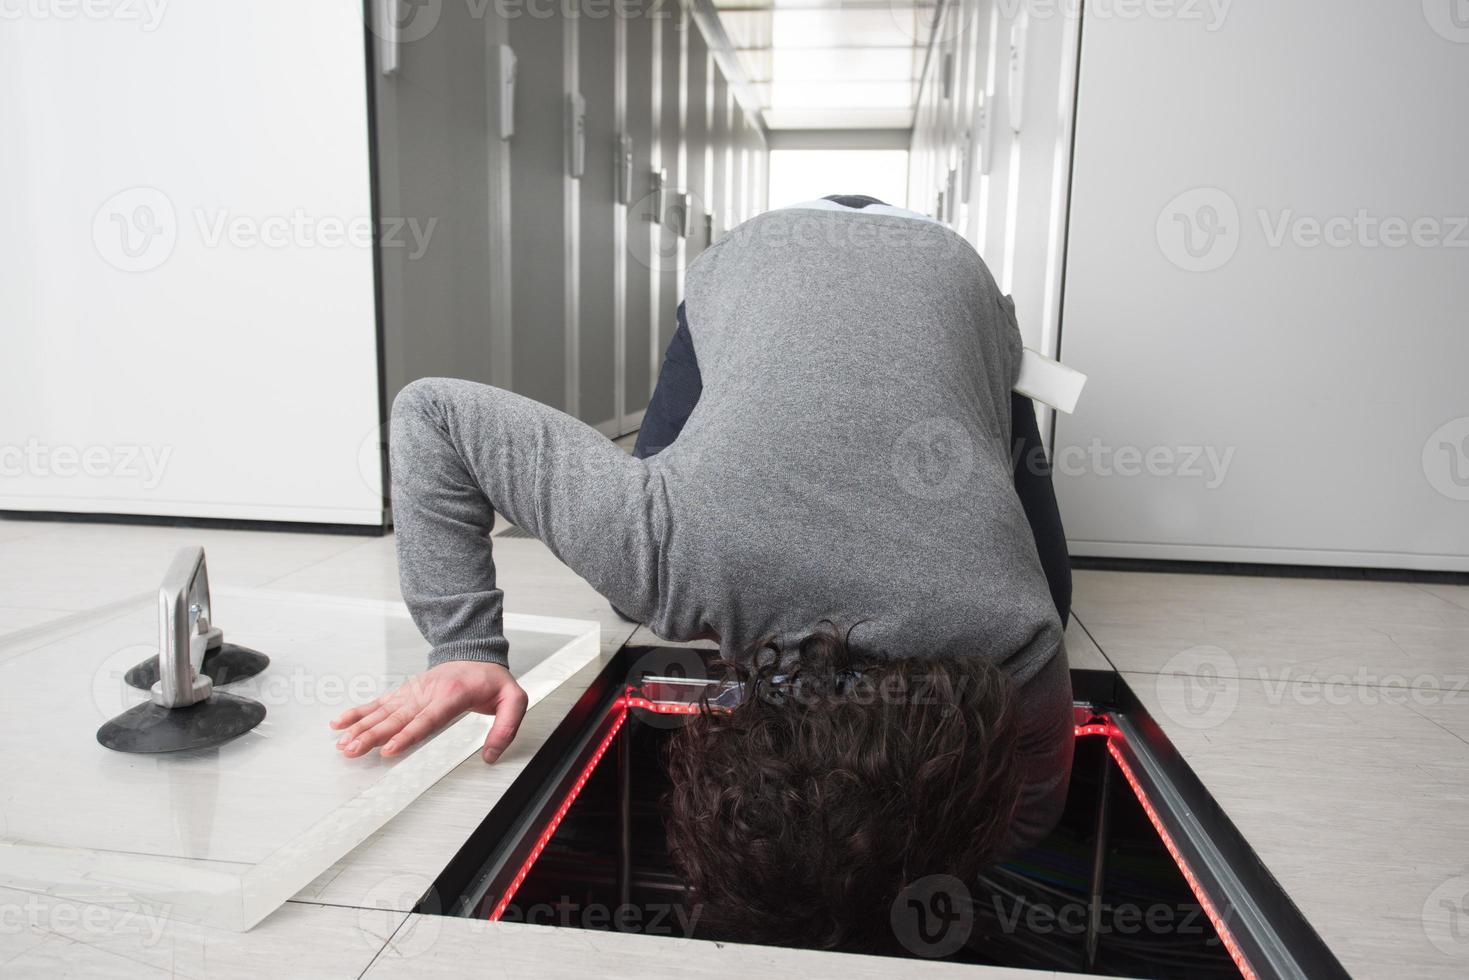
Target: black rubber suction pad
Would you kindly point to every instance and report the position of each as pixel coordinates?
(222, 665)
(148, 728)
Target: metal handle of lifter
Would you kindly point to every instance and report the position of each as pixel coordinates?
(186, 631)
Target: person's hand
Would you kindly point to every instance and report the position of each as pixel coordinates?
(426, 703)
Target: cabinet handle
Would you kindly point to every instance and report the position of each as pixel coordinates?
(386, 13)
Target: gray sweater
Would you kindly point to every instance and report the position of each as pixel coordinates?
(848, 460)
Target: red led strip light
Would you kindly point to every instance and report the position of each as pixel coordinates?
(1225, 936)
(1105, 729)
(550, 829)
(625, 702)
(660, 707)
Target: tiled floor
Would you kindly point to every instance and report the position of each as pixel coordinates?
(45, 938)
(53, 568)
(1372, 632)
(1329, 718)
(534, 951)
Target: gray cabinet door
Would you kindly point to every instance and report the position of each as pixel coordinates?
(719, 142)
(539, 241)
(670, 241)
(696, 144)
(640, 265)
(597, 324)
(433, 157)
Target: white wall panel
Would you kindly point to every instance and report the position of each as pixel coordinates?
(1212, 317)
(189, 268)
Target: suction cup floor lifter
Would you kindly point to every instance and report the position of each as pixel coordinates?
(184, 710)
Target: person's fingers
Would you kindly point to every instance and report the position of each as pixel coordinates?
(509, 710)
(421, 706)
(434, 716)
(365, 724)
(381, 732)
(386, 705)
(353, 715)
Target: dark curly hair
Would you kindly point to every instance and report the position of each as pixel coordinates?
(799, 816)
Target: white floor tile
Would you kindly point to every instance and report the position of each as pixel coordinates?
(1082, 653)
(1450, 713)
(427, 946)
(13, 530)
(366, 570)
(1457, 594)
(1356, 802)
(78, 566)
(46, 938)
(1371, 632)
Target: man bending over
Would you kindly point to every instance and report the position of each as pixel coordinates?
(836, 482)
